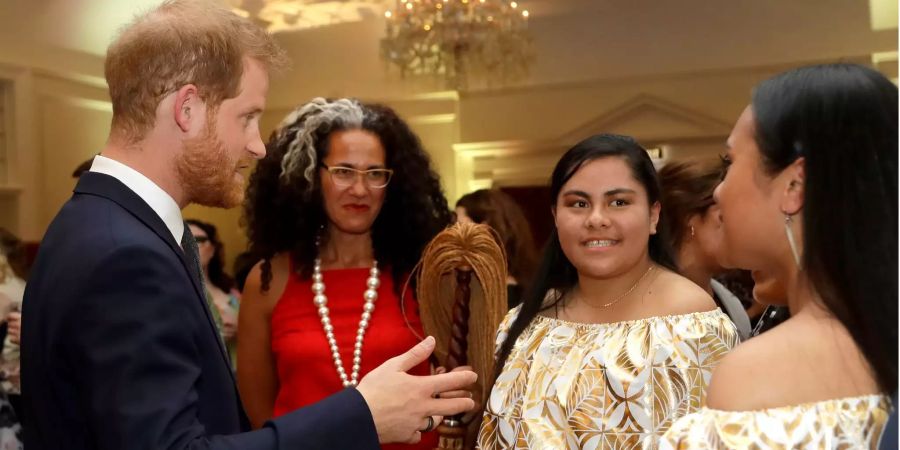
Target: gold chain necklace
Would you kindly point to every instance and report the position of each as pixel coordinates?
(629, 290)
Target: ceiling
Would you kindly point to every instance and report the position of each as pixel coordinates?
(335, 51)
(89, 25)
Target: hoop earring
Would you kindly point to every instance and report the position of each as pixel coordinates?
(790, 237)
(692, 231)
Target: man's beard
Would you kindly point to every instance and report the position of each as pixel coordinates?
(207, 173)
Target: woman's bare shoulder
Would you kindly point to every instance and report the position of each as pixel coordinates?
(676, 295)
(794, 363)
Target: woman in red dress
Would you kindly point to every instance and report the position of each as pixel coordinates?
(339, 211)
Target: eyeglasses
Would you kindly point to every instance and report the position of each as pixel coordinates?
(346, 176)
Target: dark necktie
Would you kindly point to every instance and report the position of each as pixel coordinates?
(189, 244)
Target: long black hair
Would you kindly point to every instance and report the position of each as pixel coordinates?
(283, 211)
(555, 272)
(842, 118)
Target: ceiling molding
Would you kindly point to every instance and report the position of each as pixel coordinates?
(762, 70)
(87, 80)
(431, 119)
(523, 162)
(10, 190)
(626, 118)
(78, 102)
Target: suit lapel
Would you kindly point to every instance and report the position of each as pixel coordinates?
(92, 183)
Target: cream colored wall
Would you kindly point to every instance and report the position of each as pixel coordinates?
(18, 165)
(435, 119)
(72, 125)
(61, 117)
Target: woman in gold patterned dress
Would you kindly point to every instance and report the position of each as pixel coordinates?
(811, 196)
(610, 346)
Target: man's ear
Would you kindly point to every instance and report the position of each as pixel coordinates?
(188, 107)
(792, 199)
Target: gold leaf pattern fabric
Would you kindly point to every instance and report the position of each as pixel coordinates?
(848, 423)
(602, 386)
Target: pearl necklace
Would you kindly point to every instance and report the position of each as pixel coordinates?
(321, 301)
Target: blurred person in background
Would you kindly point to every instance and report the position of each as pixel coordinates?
(688, 209)
(12, 289)
(499, 211)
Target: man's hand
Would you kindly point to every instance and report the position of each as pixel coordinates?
(473, 392)
(401, 403)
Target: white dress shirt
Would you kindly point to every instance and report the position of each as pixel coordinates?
(159, 200)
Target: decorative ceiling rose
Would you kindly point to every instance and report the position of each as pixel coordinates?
(459, 40)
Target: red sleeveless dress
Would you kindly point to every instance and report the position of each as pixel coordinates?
(306, 372)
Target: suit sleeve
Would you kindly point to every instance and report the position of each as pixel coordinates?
(138, 367)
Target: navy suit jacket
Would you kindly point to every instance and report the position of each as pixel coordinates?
(119, 350)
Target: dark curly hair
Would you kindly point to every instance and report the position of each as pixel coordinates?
(283, 210)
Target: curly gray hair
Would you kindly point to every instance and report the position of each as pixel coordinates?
(301, 126)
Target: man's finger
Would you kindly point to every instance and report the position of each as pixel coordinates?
(449, 406)
(413, 357)
(452, 381)
(460, 393)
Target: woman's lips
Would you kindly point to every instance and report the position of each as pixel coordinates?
(357, 208)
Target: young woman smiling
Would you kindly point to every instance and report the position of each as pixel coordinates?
(611, 345)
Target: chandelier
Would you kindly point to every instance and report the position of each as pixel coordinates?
(458, 39)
